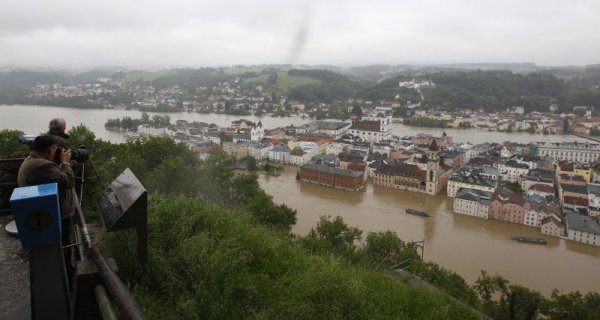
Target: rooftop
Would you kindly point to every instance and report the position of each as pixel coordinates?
(583, 223)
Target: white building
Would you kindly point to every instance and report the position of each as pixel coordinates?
(571, 151)
(259, 150)
(469, 178)
(257, 132)
(472, 202)
(335, 148)
(372, 129)
(280, 153)
(552, 227)
(512, 171)
(583, 229)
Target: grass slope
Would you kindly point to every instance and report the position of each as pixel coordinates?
(144, 75)
(206, 262)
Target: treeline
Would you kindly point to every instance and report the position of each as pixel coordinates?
(334, 86)
(424, 122)
(130, 124)
(496, 90)
(191, 79)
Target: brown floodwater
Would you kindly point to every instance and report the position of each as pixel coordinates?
(463, 244)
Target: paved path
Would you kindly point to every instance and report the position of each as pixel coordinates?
(14, 276)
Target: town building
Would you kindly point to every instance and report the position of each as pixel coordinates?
(552, 226)
(594, 199)
(472, 202)
(470, 177)
(280, 153)
(429, 179)
(259, 150)
(238, 150)
(507, 206)
(512, 171)
(571, 151)
(332, 176)
(583, 229)
(372, 130)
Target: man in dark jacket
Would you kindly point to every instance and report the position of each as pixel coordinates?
(39, 168)
(57, 128)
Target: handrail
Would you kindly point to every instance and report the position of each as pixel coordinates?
(128, 307)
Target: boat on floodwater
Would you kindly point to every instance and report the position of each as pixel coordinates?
(529, 240)
(416, 212)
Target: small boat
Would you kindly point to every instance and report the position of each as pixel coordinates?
(418, 212)
(530, 240)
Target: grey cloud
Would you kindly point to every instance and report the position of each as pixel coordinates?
(83, 34)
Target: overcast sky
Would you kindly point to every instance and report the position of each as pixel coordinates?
(177, 33)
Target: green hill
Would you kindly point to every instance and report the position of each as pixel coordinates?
(207, 262)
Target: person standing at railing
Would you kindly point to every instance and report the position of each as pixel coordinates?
(39, 168)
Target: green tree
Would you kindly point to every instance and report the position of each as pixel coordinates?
(252, 164)
(266, 212)
(333, 235)
(9, 143)
(572, 306)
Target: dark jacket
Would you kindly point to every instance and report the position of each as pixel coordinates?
(61, 138)
(37, 170)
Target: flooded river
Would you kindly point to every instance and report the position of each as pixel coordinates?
(463, 244)
(460, 243)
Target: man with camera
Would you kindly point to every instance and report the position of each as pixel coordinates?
(57, 128)
(39, 168)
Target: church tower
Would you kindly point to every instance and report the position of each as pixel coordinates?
(432, 168)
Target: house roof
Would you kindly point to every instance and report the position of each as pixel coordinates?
(297, 152)
(403, 170)
(583, 223)
(573, 188)
(366, 125)
(542, 188)
(334, 170)
(506, 196)
(480, 196)
(576, 201)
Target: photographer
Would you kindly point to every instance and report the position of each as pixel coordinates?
(57, 128)
(39, 168)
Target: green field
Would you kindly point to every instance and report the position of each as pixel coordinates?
(285, 82)
(144, 75)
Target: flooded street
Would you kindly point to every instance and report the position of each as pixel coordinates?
(460, 243)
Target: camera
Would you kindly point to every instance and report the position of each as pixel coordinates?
(80, 154)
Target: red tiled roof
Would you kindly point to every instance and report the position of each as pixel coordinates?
(356, 166)
(577, 201)
(508, 197)
(542, 188)
(365, 125)
(297, 152)
(403, 170)
(571, 177)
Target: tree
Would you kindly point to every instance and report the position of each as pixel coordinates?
(266, 212)
(252, 164)
(573, 306)
(357, 111)
(502, 300)
(333, 235)
(384, 250)
(9, 143)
